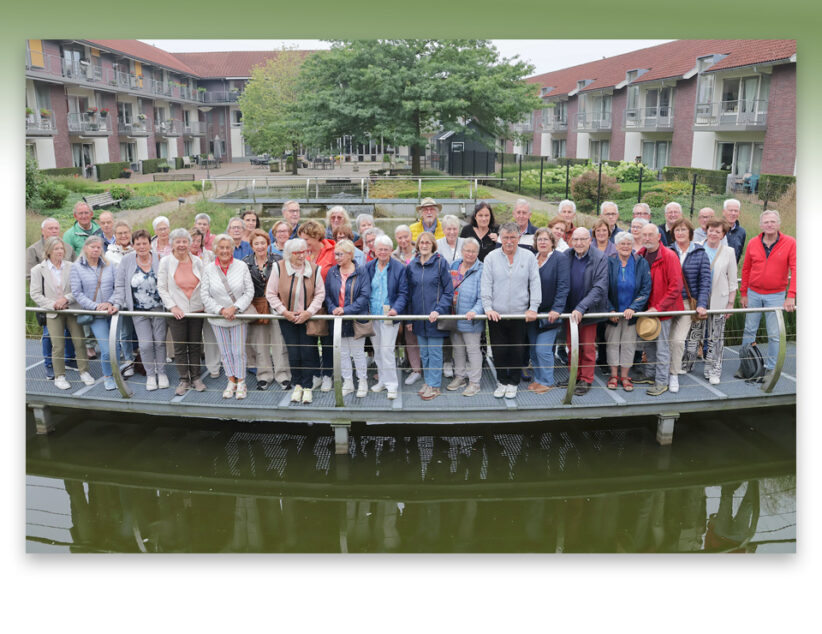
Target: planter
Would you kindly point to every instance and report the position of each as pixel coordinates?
(274, 166)
(125, 174)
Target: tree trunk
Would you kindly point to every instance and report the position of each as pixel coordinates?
(294, 158)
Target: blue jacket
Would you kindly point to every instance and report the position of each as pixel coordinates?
(696, 271)
(642, 285)
(555, 278)
(595, 284)
(84, 283)
(736, 238)
(362, 295)
(429, 289)
(469, 297)
(397, 283)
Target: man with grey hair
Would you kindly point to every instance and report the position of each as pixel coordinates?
(567, 210)
(673, 212)
(704, 216)
(736, 234)
(49, 228)
(769, 269)
(642, 210)
(202, 222)
(106, 230)
(610, 214)
(522, 217)
(83, 227)
(291, 214)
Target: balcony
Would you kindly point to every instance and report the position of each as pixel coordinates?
(524, 127)
(84, 72)
(657, 118)
(88, 124)
(168, 128)
(593, 121)
(732, 115)
(220, 96)
(39, 124)
(554, 124)
(160, 88)
(135, 127)
(194, 128)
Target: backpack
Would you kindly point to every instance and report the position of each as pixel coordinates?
(751, 364)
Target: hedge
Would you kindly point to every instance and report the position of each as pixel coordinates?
(178, 162)
(63, 171)
(150, 165)
(107, 171)
(772, 186)
(715, 179)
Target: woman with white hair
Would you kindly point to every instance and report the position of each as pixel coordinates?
(389, 296)
(335, 217)
(363, 223)
(235, 229)
(450, 246)
(92, 284)
(160, 243)
(404, 253)
(121, 245)
(296, 291)
(636, 227)
(226, 289)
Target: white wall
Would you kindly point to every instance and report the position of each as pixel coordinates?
(142, 148)
(45, 153)
(237, 143)
(545, 144)
(702, 152)
(172, 150)
(582, 145)
(101, 150)
(633, 146)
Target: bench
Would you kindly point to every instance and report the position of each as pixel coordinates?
(172, 176)
(101, 200)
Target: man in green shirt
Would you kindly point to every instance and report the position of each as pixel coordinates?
(83, 227)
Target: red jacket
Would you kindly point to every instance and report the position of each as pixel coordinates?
(326, 257)
(769, 275)
(666, 281)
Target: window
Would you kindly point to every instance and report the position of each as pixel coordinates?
(236, 118)
(598, 151)
(457, 146)
(128, 152)
(162, 149)
(124, 112)
(558, 148)
(739, 158)
(655, 153)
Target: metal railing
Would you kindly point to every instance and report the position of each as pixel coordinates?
(135, 127)
(195, 128)
(573, 340)
(732, 113)
(39, 124)
(169, 127)
(593, 121)
(654, 118)
(556, 124)
(86, 123)
(220, 96)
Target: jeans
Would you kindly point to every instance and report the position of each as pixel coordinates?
(46, 342)
(126, 338)
(99, 328)
(431, 353)
(542, 353)
(755, 300)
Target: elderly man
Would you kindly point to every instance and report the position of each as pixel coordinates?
(769, 261)
(705, 215)
(83, 227)
(666, 294)
(567, 210)
(291, 214)
(736, 234)
(673, 212)
(49, 228)
(510, 284)
(642, 210)
(522, 217)
(428, 210)
(610, 214)
(588, 294)
(106, 230)
(202, 222)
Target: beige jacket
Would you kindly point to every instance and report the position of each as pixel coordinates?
(43, 291)
(723, 277)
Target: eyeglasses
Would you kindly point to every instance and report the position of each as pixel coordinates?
(338, 254)
(303, 252)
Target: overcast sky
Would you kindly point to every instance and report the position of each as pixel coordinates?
(545, 55)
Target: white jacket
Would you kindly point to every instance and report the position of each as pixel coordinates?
(214, 294)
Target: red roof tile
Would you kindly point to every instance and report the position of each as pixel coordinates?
(144, 52)
(229, 63)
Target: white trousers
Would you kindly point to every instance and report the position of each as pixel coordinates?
(383, 342)
(352, 348)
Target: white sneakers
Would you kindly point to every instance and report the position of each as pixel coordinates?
(229, 390)
(392, 394)
(510, 391)
(714, 380)
(347, 387)
(151, 383)
(61, 384)
(297, 394)
(307, 396)
(242, 389)
(413, 378)
(326, 385)
(448, 369)
(86, 378)
(379, 386)
(673, 383)
(500, 391)
(362, 389)
(129, 370)
(162, 381)
(317, 381)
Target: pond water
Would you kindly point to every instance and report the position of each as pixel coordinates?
(728, 483)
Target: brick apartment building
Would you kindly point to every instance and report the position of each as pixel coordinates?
(711, 104)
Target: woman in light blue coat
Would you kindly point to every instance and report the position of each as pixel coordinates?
(466, 276)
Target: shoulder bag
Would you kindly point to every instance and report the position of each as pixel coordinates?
(248, 311)
(450, 325)
(361, 328)
(691, 300)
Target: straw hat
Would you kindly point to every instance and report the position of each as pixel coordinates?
(429, 202)
(648, 328)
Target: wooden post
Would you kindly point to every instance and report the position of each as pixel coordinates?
(44, 423)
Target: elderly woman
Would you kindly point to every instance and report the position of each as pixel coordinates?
(51, 288)
(92, 284)
(363, 223)
(251, 221)
(368, 237)
(348, 292)
(281, 232)
(483, 229)
(466, 274)
(160, 243)
(696, 284)
(126, 337)
(135, 288)
(404, 253)
(554, 276)
(259, 335)
(122, 243)
(567, 210)
(178, 283)
(450, 247)
(431, 293)
(557, 227)
(345, 232)
(601, 235)
(335, 217)
(636, 227)
(389, 296)
(196, 246)
(723, 265)
(629, 287)
(296, 291)
(235, 230)
(226, 289)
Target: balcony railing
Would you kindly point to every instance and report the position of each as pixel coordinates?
(593, 121)
(653, 118)
(85, 123)
(39, 124)
(221, 96)
(134, 127)
(169, 127)
(555, 124)
(738, 114)
(194, 128)
(524, 126)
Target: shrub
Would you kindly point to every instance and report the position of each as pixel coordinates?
(584, 190)
(53, 194)
(63, 171)
(654, 199)
(123, 192)
(715, 179)
(80, 185)
(33, 179)
(772, 186)
(150, 166)
(107, 171)
(682, 189)
(139, 202)
(198, 185)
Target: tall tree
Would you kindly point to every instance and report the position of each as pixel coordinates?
(270, 106)
(401, 89)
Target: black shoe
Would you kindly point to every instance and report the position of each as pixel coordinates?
(561, 383)
(49, 373)
(582, 388)
(286, 385)
(262, 385)
(71, 365)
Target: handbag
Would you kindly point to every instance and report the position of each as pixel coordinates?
(85, 320)
(361, 328)
(692, 301)
(41, 317)
(450, 325)
(260, 304)
(250, 310)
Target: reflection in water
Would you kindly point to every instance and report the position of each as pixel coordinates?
(97, 486)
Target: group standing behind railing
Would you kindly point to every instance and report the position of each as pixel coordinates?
(300, 270)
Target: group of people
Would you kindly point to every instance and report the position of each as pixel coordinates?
(436, 268)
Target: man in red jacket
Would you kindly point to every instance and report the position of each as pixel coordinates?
(666, 294)
(769, 258)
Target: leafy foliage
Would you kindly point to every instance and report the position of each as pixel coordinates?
(584, 189)
(139, 202)
(33, 179)
(52, 194)
(121, 192)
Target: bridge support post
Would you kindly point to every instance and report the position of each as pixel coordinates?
(665, 427)
(43, 421)
(340, 438)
